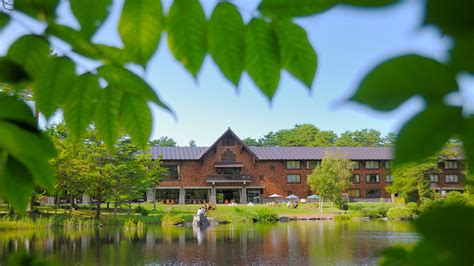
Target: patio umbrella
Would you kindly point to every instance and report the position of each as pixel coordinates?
(313, 197)
(292, 197)
(274, 196)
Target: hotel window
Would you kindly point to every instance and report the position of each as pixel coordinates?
(293, 165)
(355, 164)
(372, 178)
(312, 164)
(354, 193)
(388, 164)
(451, 165)
(434, 178)
(389, 178)
(373, 193)
(451, 179)
(371, 164)
(293, 179)
(355, 178)
(172, 172)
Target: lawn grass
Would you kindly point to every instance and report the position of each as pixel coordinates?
(172, 214)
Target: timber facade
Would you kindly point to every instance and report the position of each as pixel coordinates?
(231, 172)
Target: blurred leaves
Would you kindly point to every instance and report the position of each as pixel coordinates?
(4, 19)
(24, 153)
(441, 242)
(187, 30)
(90, 14)
(226, 41)
(396, 80)
(80, 104)
(427, 132)
(53, 85)
(297, 54)
(262, 57)
(10, 72)
(140, 28)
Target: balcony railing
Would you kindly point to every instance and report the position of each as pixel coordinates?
(228, 178)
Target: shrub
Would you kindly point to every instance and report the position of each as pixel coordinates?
(429, 205)
(139, 209)
(413, 207)
(399, 213)
(264, 216)
(144, 212)
(374, 212)
(455, 198)
(342, 217)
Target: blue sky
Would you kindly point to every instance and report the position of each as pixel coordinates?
(348, 41)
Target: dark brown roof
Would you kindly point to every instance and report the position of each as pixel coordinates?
(281, 153)
(178, 153)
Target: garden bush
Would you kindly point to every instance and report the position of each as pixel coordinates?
(144, 212)
(399, 213)
(264, 216)
(139, 209)
(455, 198)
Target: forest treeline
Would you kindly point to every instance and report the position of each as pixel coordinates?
(308, 135)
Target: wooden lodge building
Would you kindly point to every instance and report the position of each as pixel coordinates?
(230, 171)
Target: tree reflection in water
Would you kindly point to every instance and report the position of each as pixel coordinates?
(315, 242)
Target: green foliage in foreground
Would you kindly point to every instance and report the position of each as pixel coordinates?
(445, 239)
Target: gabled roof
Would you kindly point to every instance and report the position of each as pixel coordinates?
(233, 135)
(280, 153)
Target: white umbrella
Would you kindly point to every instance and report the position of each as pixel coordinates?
(292, 197)
(274, 196)
(313, 197)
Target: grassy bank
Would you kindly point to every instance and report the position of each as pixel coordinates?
(138, 215)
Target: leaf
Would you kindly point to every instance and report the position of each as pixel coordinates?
(452, 17)
(10, 72)
(136, 118)
(53, 85)
(462, 53)
(226, 41)
(4, 19)
(83, 46)
(33, 150)
(78, 42)
(80, 105)
(454, 245)
(368, 3)
(292, 8)
(140, 28)
(16, 183)
(297, 54)
(90, 14)
(127, 81)
(186, 26)
(31, 52)
(107, 115)
(468, 142)
(396, 80)
(427, 133)
(262, 58)
(39, 9)
(16, 111)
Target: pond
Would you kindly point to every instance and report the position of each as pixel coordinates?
(309, 242)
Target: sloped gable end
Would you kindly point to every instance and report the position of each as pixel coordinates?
(230, 139)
